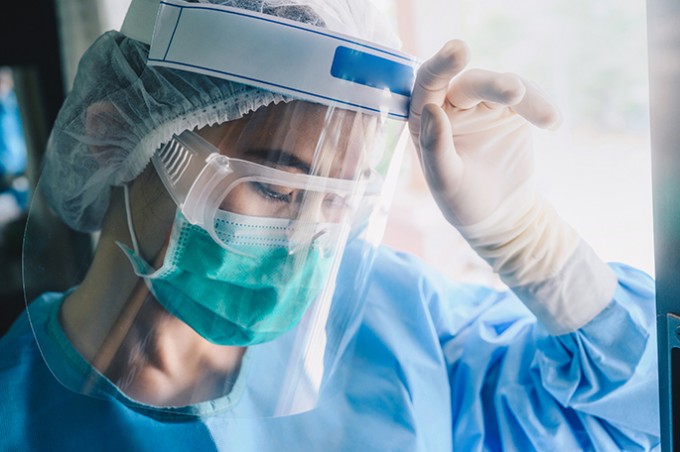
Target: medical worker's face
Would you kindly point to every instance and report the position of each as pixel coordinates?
(297, 137)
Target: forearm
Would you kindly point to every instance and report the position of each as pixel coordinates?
(607, 368)
(580, 290)
(544, 261)
(593, 389)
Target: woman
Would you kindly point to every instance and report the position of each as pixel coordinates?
(236, 299)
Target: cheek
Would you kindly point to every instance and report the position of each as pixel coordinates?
(153, 213)
(238, 201)
(158, 261)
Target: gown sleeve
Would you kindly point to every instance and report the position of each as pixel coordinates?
(516, 386)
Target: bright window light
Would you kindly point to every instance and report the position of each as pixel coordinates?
(590, 57)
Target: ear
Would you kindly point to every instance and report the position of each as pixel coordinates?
(104, 129)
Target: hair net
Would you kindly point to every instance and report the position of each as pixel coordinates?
(120, 110)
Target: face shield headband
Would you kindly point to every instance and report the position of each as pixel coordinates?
(314, 63)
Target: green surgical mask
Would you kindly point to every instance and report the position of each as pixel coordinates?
(250, 291)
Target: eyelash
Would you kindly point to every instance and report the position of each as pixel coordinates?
(271, 194)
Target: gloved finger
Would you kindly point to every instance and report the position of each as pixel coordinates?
(537, 108)
(433, 78)
(442, 166)
(477, 85)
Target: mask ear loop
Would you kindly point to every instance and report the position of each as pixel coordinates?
(128, 215)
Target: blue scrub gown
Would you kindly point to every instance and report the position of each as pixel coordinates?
(437, 366)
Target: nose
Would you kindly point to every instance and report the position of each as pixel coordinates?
(307, 220)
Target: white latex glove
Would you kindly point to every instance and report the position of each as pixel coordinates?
(473, 134)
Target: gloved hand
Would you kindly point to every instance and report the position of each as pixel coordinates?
(472, 131)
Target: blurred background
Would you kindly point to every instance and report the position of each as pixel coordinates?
(590, 57)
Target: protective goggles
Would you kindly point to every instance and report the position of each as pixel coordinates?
(202, 181)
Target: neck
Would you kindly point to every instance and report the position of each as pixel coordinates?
(117, 325)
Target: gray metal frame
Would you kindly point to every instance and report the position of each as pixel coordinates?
(663, 18)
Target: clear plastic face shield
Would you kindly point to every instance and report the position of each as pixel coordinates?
(286, 176)
(268, 239)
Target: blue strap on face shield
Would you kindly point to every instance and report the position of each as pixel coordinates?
(371, 70)
(284, 56)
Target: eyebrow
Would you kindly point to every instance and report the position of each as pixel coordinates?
(278, 157)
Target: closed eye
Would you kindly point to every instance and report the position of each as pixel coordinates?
(273, 192)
